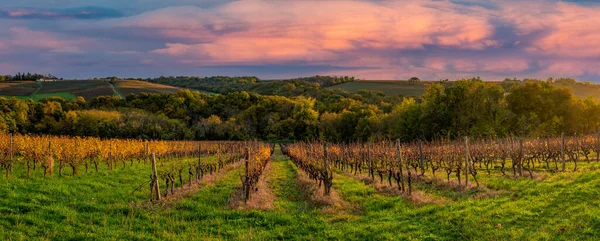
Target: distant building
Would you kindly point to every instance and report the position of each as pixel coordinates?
(45, 80)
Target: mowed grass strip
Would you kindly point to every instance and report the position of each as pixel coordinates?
(283, 182)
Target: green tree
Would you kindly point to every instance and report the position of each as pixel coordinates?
(414, 80)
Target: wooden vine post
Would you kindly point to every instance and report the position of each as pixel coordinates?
(49, 163)
(421, 158)
(399, 149)
(521, 157)
(245, 186)
(598, 145)
(409, 181)
(371, 171)
(198, 168)
(562, 151)
(362, 156)
(326, 175)
(154, 187)
(466, 162)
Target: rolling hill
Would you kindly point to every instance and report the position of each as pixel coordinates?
(127, 87)
(88, 89)
(405, 88)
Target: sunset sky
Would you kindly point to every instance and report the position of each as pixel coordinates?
(374, 39)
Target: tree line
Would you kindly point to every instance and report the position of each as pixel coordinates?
(307, 86)
(26, 77)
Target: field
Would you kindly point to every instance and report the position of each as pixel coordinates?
(88, 89)
(24, 88)
(108, 205)
(388, 87)
(70, 89)
(404, 88)
(127, 87)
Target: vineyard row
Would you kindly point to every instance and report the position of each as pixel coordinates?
(464, 159)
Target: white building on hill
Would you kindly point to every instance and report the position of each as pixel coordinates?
(45, 80)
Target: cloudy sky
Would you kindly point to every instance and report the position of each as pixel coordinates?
(370, 39)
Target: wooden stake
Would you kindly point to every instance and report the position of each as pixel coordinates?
(409, 182)
(421, 158)
(466, 162)
(198, 167)
(326, 170)
(246, 186)
(598, 145)
(155, 178)
(562, 151)
(400, 164)
(371, 171)
(521, 157)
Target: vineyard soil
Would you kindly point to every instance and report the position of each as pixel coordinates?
(106, 206)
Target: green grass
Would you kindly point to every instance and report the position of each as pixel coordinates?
(38, 97)
(104, 206)
(68, 96)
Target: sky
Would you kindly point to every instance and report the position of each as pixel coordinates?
(271, 39)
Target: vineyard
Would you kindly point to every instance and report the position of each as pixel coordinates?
(177, 163)
(138, 189)
(401, 163)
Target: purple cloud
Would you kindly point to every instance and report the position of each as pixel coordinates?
(59, 14)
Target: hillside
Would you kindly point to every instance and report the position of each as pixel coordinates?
(127, 87)
(88, 89)
(404, 88)
(388, 87)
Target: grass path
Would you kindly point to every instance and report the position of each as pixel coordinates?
(40, 85)
(115, 89)
(283, 182)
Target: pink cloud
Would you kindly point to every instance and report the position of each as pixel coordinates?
(571, 29)
(352, 34)
(571, 68)
(297, 31)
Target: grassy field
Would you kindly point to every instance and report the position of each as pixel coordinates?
(69, 89)
(107, 206)
(88, 89)
(404, 88)
(127, 87)
(388, 87)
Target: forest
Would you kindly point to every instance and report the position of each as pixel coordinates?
(303, 109)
